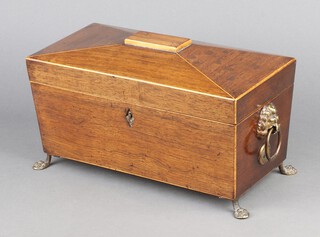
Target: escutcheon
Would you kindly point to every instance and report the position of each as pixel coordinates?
(130, 118)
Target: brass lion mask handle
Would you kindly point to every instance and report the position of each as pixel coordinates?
(268, 125)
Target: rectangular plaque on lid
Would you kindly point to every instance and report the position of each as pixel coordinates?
(161, 42)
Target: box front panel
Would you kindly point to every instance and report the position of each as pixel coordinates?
(172, 148)
(249, 170)
(132, 91)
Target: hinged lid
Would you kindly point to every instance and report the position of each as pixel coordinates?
(202, 80)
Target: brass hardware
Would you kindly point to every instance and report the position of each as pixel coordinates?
(287, 170)
(239, 212)
(268, 118)
(262, 155)
(130, 118)
(268, 125)
(40, 165)
(268, 146)
(265, 150)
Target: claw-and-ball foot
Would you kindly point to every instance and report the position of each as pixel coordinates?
(287, 170)
(239, 212)
(40, 165)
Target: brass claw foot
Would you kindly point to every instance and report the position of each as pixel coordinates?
(287, 170)
(239, 213)
(40, 165)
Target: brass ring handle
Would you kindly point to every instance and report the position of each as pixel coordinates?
(273, 130)
(268, 124)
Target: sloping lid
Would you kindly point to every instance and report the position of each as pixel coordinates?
(164, 60)
(236, 71)
(117, 59)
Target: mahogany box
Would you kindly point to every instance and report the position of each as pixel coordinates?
(194, 115)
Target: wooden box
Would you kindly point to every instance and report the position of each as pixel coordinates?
(190, 114)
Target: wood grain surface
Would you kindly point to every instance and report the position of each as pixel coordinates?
(253, 100)
(162, 42)
(238, 75)
(195, 110)
(170, 148)
(236, 71)
(132, 91)
(249, 171)
(131, 62)
(93, 35)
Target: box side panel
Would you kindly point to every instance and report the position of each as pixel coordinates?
(259, 95)
(172, 148)
(249, 170)
(133, 91)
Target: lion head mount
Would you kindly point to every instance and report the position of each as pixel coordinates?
(268, 119)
